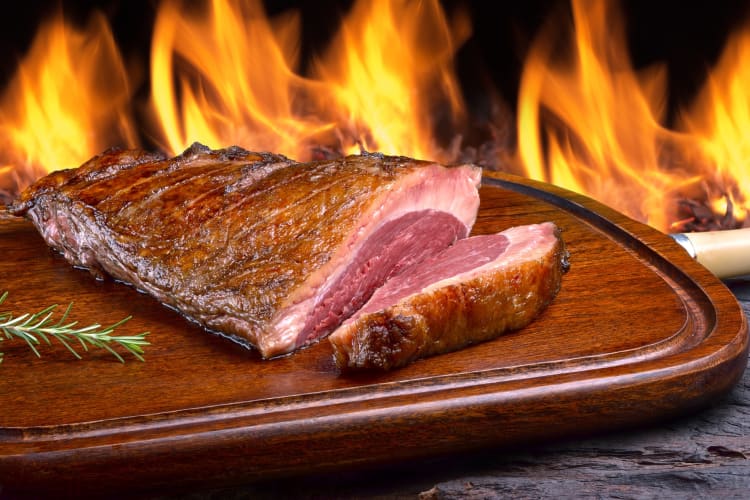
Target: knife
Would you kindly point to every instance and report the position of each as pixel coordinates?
(725, 253)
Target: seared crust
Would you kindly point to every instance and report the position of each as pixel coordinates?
(228, 237)
(448, 318)
(160, 224)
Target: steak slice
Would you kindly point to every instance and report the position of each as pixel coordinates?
(471, 292)
(268, 252)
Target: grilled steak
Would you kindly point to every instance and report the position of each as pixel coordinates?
(269, 252)
(471, 292)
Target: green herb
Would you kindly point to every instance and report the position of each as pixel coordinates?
(38, 327)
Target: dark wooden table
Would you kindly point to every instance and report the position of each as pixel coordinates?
(703, 455)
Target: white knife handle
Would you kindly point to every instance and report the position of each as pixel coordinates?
(724, 253)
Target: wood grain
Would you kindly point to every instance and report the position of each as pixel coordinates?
(638, 332)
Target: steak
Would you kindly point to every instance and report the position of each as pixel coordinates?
(471, 292)
(254, 246)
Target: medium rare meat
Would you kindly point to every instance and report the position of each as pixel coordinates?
(269, 252)
(471, 292)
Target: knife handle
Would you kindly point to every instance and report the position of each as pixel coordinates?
(725, 253)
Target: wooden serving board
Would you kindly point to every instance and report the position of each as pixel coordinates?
(638, 333)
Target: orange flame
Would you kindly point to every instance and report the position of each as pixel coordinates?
(236, 78)
(238, 83)
(720, 121)
(391, 62)
(222, 72)
(605, 139)
(601, 122)
(68, 100)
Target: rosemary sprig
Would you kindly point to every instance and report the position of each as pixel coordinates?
(38, 327)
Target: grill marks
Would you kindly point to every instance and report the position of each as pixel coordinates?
(332, 192)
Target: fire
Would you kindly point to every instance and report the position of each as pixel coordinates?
(603, 120)
(224, 72)
(69, 100)
(602, 124)
(236, 75)
(390, 64)
(720, 120)
(238, 80)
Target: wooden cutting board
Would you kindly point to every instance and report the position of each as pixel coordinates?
(638, 333)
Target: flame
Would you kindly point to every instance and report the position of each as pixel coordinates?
(223, 72)
(602, 122)
(238, 84)
(68, 101)
(390, 64)
(593, 124)
(720, 120)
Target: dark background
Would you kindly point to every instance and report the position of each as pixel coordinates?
(687, 36)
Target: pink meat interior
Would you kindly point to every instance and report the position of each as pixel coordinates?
(397, 245)
(466, 255)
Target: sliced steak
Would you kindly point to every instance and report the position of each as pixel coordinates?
(269, 252)
(471, 292)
